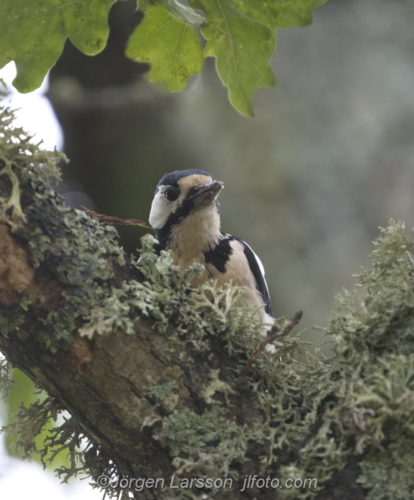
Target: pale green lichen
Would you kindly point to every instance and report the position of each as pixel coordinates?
(387, 471)
(21, 160)
(215, 386)
(10, 322)
(374, 343)
(162, 391)
(5, 377)
(27, 424)
(166, 395)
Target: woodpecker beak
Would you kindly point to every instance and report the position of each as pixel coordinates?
(207, 193)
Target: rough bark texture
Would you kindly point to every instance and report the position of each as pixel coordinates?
(155, 374)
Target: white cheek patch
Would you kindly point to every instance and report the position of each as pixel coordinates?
(161, 209)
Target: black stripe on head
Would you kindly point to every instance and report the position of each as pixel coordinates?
(163, 234)
(220, 254)
(172, 178)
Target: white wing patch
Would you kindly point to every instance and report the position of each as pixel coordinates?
(262, 270)
(259, 262)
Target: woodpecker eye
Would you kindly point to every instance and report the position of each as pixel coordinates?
(171, 194)
(194, 189)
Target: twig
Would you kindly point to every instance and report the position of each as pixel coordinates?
(115, 221)
(274, 334)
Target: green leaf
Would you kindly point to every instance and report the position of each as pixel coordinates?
(171, 45)
(32, 34)
(242, 48)
(279, 13)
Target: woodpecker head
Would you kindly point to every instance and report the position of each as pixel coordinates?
(186, 198)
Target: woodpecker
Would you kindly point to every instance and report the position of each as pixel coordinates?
(186, 218)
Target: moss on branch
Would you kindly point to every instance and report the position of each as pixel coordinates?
(153, 373)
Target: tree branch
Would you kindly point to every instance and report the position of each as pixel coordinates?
(153, 373)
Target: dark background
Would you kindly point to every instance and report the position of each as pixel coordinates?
(326, 161)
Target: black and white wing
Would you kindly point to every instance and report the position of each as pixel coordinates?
(258, 271)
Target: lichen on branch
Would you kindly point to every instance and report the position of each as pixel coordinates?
(153, 372)
(20, 160)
